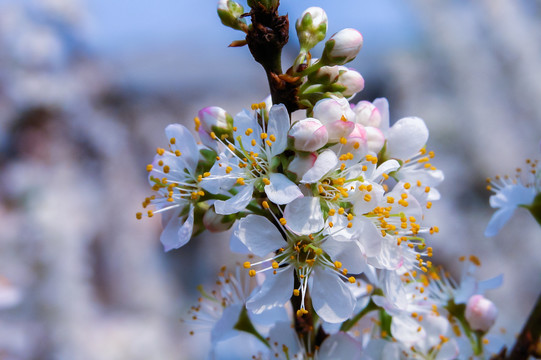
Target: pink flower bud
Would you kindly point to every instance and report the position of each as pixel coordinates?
(367, 114)
(481, 313)
(308, 135)
(214, 118)
(352, 80)
(342, 47)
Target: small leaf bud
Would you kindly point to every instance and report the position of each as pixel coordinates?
(229, 12)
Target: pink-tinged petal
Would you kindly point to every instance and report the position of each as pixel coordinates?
(347, 252)
(340, 346)
(325, 162)
(278, 126)
(185, 143)
(224, 328)
(177, 234)
(406, 137)
(383, 106)
(498, 220)
(301, 163)
(331, 298)
(304, 216)
(259, 235)
(308, 134)
(275, 291)
(236, 203)
(281, 190)
(374, 139)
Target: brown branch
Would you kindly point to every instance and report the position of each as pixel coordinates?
(266, 38)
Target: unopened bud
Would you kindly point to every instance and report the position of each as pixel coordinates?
(342, 47)
(481, 313)
(352, 81)
(229, 12)
(367, 114)
(311, 27)
(308, 135)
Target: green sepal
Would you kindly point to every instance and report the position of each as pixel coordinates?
(535, 208)
(245, 324)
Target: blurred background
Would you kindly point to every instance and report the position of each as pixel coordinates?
(87, 87)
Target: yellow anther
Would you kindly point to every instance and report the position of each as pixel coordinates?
(367, 197)
(251, 273)
(341, 211)
(428, 204)
(337, 264)
(240, 181)
(263, 136)
(166, 169)
(149, 167)
(296, 292)
(350, 225)
(344, 271)
(390, 200)
(160, 151)
(248, 131)
(427, 189)
(178, 153)
(331, 224)
(351, 279)
(212, 135)
(475, 260)
(224, 136)
(228, 169)
(197, 123)
(350, 216)
(275, 265)
(343, 140)
(332, 212)
(150, 213)
(407, 186)
(253, 142)
(138, 215)
(230, 147)
(385, 176)
(265, 204)
(283, 221)
(266, 181)
(356, 145)
(160, 163)
(206, 174)
(343, 118)
(172, 141)
(247, 265)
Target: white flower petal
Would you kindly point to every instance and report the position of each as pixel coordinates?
(244, 121)
(283, 334)
(383, 106)
(331, 298)
(185, 143)
(278, 126)
(259, 235)
(281, 190)
(304, 215)
(325, 162)
(406, 137)
(347, 252)
(339, 346)
(224, 328)
(275, 291)
(236, 203)
(176, 234)
(498, 220)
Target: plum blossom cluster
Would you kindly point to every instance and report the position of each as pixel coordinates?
(329, 210)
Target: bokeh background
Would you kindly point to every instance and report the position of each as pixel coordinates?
(87, 87)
